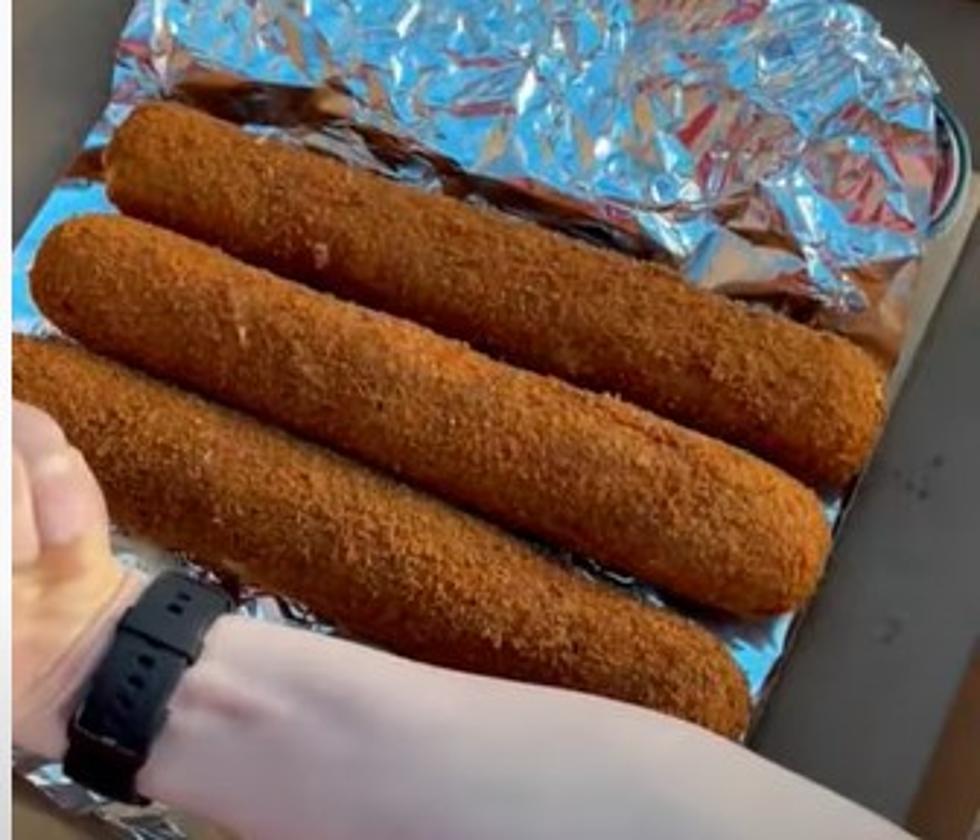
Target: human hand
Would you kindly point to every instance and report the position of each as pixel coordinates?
(68, 590)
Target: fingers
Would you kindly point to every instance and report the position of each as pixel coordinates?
(65, 498)
(26, 546)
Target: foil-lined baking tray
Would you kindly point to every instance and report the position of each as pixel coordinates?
(779, 151)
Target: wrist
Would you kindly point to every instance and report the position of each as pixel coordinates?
(216, 707)
(272, 708)
(42, 712)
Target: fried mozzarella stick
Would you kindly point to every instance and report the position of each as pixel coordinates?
(586, 472)
(810, 402)
(387, 563)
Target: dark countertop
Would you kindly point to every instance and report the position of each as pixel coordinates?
(876, 665)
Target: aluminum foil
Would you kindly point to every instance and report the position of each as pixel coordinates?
(778, 151)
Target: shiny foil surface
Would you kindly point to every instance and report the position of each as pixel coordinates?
(780, 151)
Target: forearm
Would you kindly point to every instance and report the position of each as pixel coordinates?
(280, 733)
(285, 734)
(276, 733)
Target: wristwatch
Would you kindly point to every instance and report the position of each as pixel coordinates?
(124, 705)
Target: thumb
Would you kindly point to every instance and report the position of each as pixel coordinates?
(26, 546)
(64, 499)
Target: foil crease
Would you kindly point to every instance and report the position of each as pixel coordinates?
(783, 152)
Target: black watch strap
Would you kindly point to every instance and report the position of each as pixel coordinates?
(125, 704)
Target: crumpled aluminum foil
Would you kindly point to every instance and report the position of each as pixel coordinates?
(781, 151)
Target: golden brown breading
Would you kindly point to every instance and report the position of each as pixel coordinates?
(586, 472)
(388, 563)
(810, 402)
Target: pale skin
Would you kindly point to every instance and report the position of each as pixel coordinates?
(280, 733)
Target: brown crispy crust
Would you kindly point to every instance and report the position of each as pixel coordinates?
(586, 472)
(391, 565)
(810, 402)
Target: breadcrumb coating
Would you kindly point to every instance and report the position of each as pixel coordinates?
(585, 472)
(808, 401)
(389, 564)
